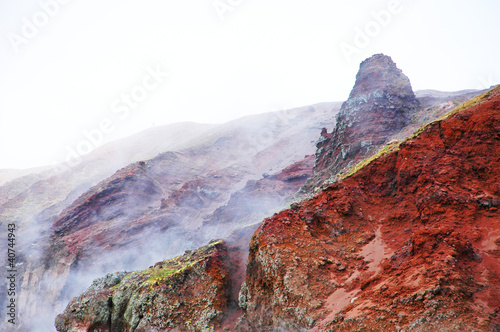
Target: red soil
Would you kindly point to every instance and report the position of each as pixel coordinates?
(410, 241)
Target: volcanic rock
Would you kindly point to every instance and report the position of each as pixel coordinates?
(188, 293)
(411, 241)
(155, 207)
(380, 105)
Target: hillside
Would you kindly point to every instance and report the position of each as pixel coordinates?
(110, 208)
(409, 241)
(404, 239)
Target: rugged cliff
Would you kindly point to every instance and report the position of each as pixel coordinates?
(189, 292)
(396, 239)
(381, 104)
(411, 240)
(381, 107)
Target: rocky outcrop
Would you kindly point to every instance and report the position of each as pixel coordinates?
(410, 241)
(380, 105)
(186, 293)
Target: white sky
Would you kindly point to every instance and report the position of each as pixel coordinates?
(262, 56)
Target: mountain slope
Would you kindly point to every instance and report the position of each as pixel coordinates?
(151, 207)
(381, 107)
(410, 241)
(259, 198)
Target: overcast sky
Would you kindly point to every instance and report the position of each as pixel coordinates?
(117, 66)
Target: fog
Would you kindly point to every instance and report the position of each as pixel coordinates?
(77, 224)
(68, 67)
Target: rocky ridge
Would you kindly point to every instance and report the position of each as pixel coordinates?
(398, 242)
(254, 201)
(410, 241)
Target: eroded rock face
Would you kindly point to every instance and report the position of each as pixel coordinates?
(186, 293)
(411, 241)
(380, 105)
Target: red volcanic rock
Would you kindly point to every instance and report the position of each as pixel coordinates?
(297, 171)
(192, 193)
(380, 105)
(409, 242)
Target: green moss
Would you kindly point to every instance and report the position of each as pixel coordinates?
(214, 243)
(388, 148)
(169, 271)
(166, 275)
(175, 267)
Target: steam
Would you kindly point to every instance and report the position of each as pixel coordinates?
(138, 233)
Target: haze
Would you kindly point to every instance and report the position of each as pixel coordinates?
(67, 67)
